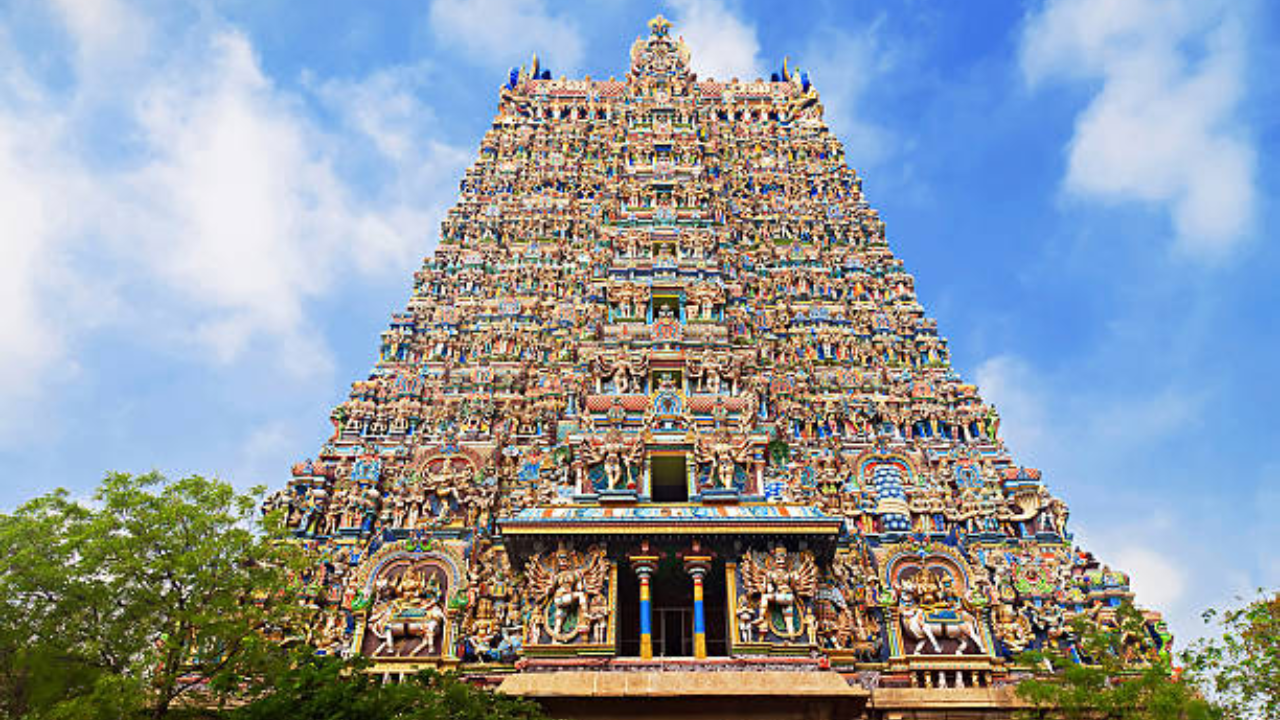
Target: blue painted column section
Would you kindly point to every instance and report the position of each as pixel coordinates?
(645, 563)
(697, 562)
(646, 619)
(699, 618)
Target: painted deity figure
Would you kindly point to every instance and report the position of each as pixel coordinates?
(746, 620)
(414, 610)
(724, 455)
(616, 455)
(931, 608)
(780, 581)
(1012, 628)
(563, 586)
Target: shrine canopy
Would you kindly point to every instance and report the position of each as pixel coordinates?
(747, 521)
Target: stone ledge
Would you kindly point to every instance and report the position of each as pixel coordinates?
(913, 698)
(583, 684)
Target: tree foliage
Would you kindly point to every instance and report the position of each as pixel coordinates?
(176, 599)
(133, 601)
(325, 688)
(1241, 665)
(1114, 673)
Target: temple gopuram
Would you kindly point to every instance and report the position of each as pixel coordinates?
(664, 431)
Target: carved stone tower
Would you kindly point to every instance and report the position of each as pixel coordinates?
(664, 416)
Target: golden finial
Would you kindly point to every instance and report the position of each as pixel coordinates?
(659, 26)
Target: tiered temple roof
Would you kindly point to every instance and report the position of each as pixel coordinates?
(664, 392)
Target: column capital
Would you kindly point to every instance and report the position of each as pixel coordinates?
(697, 559)
(644, 561)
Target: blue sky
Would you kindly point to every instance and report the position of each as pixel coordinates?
(208, 212)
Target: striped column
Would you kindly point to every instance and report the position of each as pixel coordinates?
(699, 615)
(646, 617)
(645, 563)
(697, 562)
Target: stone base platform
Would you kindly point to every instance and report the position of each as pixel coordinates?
(811, 695)
(944, 704)
(630, 691)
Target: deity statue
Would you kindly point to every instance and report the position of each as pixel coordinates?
(411, 606)
(618, 455)
(563, 586)
(492, 604)
(724, 455)
(931, 607)
(1011, 627)
(620, 368)
(781, 581)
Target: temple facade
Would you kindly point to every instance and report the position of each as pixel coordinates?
(664, 430)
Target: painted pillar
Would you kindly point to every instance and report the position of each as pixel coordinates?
(645, 563)
(699, 616)
(697, 562)
(646, 617)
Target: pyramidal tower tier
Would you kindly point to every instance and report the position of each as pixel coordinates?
(663, 397)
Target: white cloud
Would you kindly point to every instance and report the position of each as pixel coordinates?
(1041, 421)
(29, 342)
(1010, 384)
(384, 110)
(1140, 418)
(843, 65)
(504, 33)
(265, 454)
(1162, 127)
(235, 205)
(1153, 550)
(1157, 580)
(223, 211)
(721, 44)
(107, 33)
(38, 187)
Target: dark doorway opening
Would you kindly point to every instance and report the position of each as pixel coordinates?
(628, 611)
(668, 478)
(671, 602)
(715, 603)
(667, 305)
(672, 592)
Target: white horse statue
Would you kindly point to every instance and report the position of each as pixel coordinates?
(925, 625)
(391, 624)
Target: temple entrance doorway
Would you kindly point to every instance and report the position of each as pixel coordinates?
(672, 611)
(672, 591)
(673, 631)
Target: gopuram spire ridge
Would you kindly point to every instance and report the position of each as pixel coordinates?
(664, 399)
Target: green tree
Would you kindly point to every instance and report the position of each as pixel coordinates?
(1117, 675)
(1242, 664)
(149, 596)
(325, 688)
